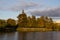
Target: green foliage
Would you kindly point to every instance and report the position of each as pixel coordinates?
(42, 21)
(34, 22)
(46, 22)
(22, 20)
(2, 23)
(11, 22)
(29, 22)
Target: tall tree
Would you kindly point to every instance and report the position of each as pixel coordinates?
(38, 22)
(29, 22)
(51, 24)
(34, 21)
(47, 22)
(41, 22)
(22, 19)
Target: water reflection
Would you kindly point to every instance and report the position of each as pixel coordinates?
(9, 36)
(40, 36)
(30, 36)
(16, 36)
(5, 37)
(58, 36)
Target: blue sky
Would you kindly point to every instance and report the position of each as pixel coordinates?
(12, 8)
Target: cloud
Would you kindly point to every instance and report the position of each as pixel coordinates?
(53, 12)
(16, 5)
(23, 5)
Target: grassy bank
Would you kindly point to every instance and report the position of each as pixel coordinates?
(33, 29)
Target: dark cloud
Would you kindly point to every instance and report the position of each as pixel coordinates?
(53, 12)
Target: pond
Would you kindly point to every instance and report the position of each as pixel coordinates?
(30, 36)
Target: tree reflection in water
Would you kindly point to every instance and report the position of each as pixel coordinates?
(30, 36)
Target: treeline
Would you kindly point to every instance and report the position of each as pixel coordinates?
(28, 22)
(8, 25)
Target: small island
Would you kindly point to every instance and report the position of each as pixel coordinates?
(29, 24)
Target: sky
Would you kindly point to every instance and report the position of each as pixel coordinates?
(12, 8)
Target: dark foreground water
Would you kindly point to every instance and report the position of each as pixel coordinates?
(30, 36)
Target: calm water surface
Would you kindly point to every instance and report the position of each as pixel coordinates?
(30, 36)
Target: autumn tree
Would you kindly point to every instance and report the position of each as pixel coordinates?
(56, 26)
(38, 22)
(11, 23)
(42, 22)
(34, 21)
(47, 22)
(51, 23)
(2, 23)
(22, 19)
(29, 22)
